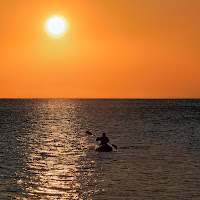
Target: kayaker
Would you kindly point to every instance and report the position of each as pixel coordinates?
(104, 140)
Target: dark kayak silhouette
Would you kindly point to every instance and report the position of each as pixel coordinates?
(104, 148)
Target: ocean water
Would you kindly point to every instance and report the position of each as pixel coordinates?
(45, 152)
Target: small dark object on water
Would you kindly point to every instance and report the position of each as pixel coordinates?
(89, 133)
(115, 146)
(104, 148)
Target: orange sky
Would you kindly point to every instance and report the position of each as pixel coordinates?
(113, 49)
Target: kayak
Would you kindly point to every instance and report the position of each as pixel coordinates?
(104, 148)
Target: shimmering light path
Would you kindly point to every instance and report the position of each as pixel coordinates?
(46, 154)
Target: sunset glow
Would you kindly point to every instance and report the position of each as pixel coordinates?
(56, 26)
(100, 49)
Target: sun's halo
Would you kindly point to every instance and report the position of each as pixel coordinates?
(56, 26)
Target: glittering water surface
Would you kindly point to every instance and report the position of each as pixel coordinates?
(46, 154)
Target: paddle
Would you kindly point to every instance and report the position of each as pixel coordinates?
(90, 133)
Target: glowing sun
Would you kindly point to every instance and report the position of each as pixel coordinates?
(56, 26)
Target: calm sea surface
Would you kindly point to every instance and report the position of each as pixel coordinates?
(46, 154)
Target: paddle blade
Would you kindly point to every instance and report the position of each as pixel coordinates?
(89, 133)
(115, 146)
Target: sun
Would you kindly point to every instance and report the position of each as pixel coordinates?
(56, 26)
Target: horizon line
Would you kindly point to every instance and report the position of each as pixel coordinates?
(186, 98)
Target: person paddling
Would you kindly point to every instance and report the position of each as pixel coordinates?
(104, 146)
(104, 140)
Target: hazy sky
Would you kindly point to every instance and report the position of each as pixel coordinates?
(113, 49)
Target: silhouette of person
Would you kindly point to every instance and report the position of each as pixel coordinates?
(104, 140)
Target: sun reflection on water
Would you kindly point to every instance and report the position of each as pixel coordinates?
(58, 166)
(45, 153)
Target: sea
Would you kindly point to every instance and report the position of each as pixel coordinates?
(45, 152)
